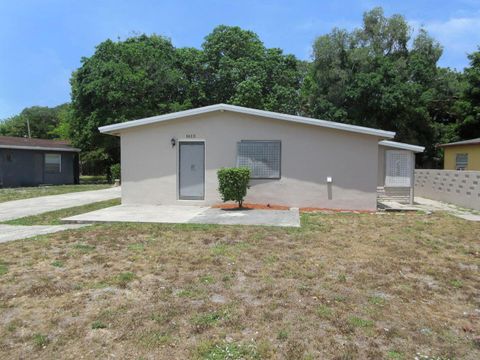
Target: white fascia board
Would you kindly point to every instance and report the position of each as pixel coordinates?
(109, 129)
(403, 146)
(43, 148)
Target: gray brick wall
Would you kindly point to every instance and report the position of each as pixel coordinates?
(461, 188)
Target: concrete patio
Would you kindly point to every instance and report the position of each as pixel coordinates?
(188, 214)
(428, 205)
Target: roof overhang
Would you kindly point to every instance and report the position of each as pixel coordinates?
(43, 148)
(115, 129)
(403, 146)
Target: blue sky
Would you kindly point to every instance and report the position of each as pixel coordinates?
(42, 41)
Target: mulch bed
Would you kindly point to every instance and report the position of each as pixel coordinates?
(248, 206)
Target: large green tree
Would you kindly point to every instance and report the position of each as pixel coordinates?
(240, 70)
(469, 104)
(123, 80)
(373, 77)
(43, 122)
(145, 75)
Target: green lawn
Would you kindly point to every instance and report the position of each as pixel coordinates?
(54, 217)
(343, 286)
(10, 194)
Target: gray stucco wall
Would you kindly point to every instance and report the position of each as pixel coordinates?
(27, 168)
(461, 188)
(309, 155)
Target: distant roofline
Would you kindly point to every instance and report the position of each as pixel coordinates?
(115, 128)
(463, 142)
(21, 147)
(398, 145)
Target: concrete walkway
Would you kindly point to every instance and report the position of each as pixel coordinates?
(20, 208)
(16, 232)
(189, 214)
(428, 205)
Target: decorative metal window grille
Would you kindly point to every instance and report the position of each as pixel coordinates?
(53, 163)
(461, 161)
(398, 169)
(263, 158)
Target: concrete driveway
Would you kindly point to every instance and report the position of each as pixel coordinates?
(27, 207)
(189, 214)
(16, 232)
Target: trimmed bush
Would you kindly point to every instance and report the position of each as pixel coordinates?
(115, 172)
(233, 184)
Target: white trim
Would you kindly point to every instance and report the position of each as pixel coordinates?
(403, 146)
(112, 129)
(21, 147)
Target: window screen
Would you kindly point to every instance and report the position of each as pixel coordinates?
(461, 161)
(261, 157)
(53, 163)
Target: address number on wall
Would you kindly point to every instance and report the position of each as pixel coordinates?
(191, 136)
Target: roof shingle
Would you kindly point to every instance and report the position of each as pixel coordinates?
(13, 142)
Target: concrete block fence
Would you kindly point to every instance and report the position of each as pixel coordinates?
(461, 188)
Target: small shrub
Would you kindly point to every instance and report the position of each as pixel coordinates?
(97, 324)
(359, 322)
(456, 283)
(282, 335)
(57, 263)
(123, 279)
(40, 340)
(3, 268)
(233, 184)
(324, 311)
(115, 172)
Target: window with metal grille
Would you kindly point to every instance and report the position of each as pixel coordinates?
(461, 161)
(398, 168)
(263, 158)
(53, 163)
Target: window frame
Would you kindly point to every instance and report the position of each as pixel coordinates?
(279, 158)
(59, 156)
(461, 168)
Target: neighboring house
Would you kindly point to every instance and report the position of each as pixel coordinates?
(462, 155)
(31, 162)
(295, 161)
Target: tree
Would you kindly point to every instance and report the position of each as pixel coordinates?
(43, 122)
(469, 127)
(372, 77)
(123, 80)
(240, 70)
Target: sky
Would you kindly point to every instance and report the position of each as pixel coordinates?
(43, 41)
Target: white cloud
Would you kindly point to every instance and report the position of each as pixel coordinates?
(458, 36)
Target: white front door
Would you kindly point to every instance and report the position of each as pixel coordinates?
(192, 170)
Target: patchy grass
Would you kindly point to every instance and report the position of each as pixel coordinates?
(343, 286)
(9, 194)
(54, 217)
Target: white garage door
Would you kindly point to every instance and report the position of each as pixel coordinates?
(399, 165)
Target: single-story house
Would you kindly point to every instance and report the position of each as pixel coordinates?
(295, 161)
(462, 155)
(32, 162)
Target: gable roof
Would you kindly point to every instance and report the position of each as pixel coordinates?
(403, 146)
(464, 142)
(12, 142)
(115, 128)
